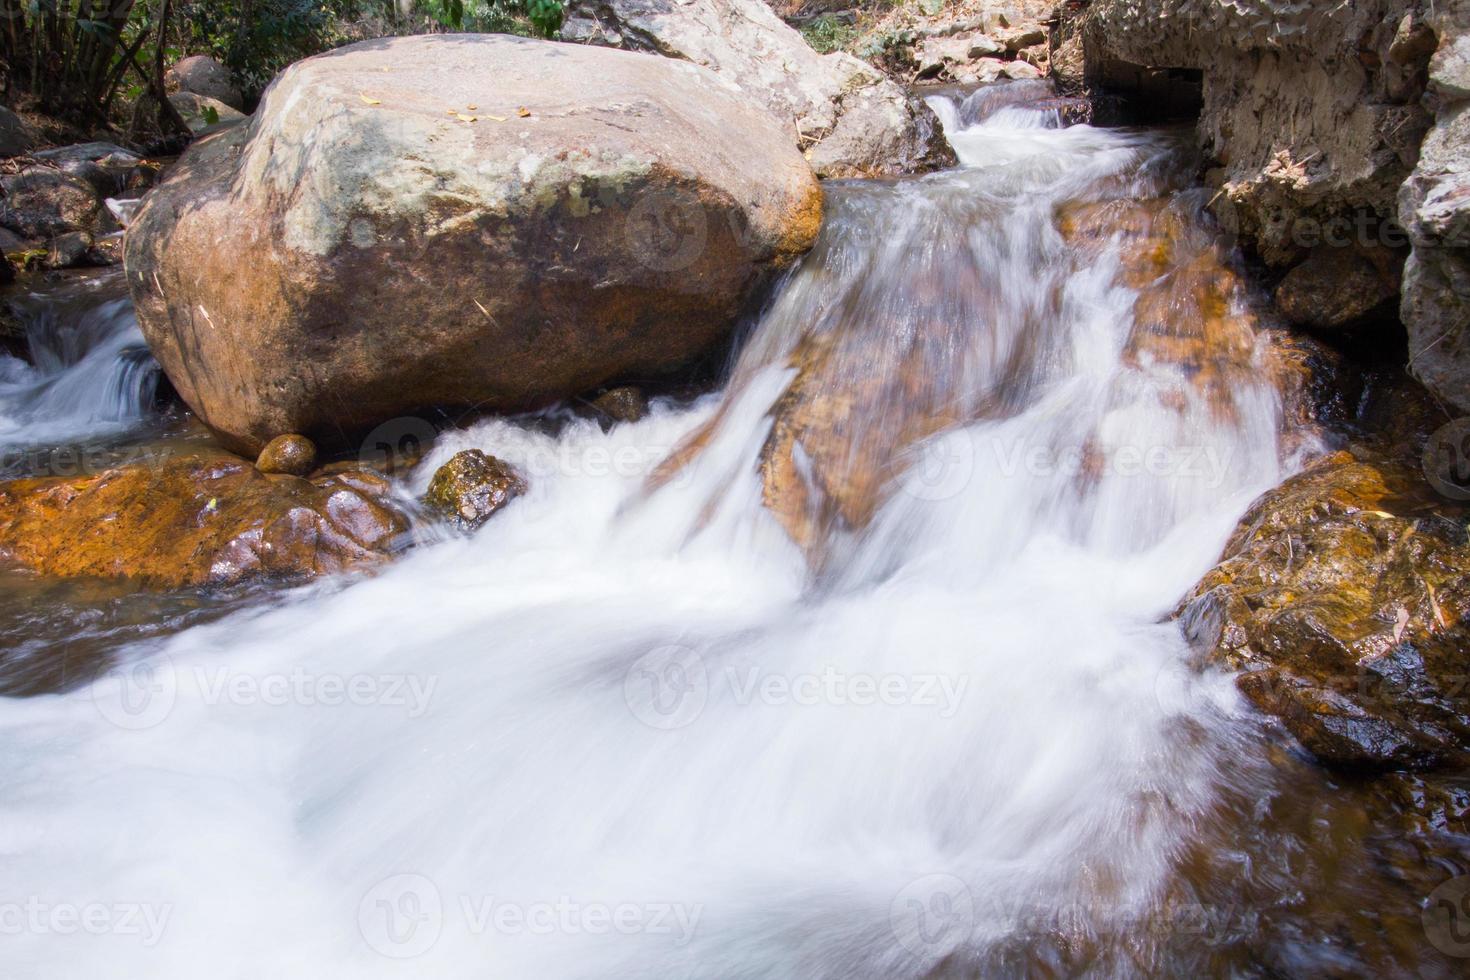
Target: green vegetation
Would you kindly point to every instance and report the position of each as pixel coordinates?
(84, 59)
(827, 34)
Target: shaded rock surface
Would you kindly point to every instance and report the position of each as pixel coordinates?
(16, 136)
(200, 74)
(1337, 287)
(207, 518)
(460, 220)
(471, 487)
(1311, 112)
(203, 114)
(1344, 601)
(848, 117)
(1434, 206)
(41, 202)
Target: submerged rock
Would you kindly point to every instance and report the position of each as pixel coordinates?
(849, 118)
(201, 519)
(459, 221)
(471, 487)
(1346, 607)
(291, 454)
(622, 404)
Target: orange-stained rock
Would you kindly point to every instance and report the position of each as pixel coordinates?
(207, 518)
(1345, 599)
(356, 253)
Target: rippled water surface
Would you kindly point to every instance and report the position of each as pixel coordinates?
(643, 725)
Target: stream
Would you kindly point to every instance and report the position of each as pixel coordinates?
(630, 729)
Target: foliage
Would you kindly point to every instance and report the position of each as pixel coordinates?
(75, 57)
(827, 34)
(72, 55)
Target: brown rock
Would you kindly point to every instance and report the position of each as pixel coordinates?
(202, 519)
(1337, 287)
(291, 454)
(622, 404)
(471, 487)
(42, 203)
(1345, 602)
(203, 75)
(600, 214)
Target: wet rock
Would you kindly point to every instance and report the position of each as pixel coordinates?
(291, 454)
(41, 203)
(1338, 287)
(849, 118)
(622, 404)
(200, 74)
(201, 519)
(600, 214)
(68, 250)
(471, 487)
(1434, 206)
(16, 135)
(1345, 605)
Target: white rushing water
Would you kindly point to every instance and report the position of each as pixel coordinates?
(619, 734)
(90, 375)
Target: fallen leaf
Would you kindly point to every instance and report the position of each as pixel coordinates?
(472, 108)
(496, 118)
(1401, 620)
(523, 112)
(369, 101)
(464, 118)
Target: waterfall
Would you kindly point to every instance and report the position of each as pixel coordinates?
(860, 667)
(90, 375)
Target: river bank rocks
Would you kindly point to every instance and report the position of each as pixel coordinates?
(471, 487)
(52, 206)
(1434, 205)
(199, 74)
(198, 519)
(964, 43)
(292, 454)
(1310, 118)
(460, 220)
(1344, 601)
(848, 118)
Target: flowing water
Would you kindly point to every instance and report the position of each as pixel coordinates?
(89, 376)
(630, 729)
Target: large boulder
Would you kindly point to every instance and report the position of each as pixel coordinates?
(42, 202)
(1310, 111)
(202, 75)
(460, 220)
(849, 118)
(1434, 205)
